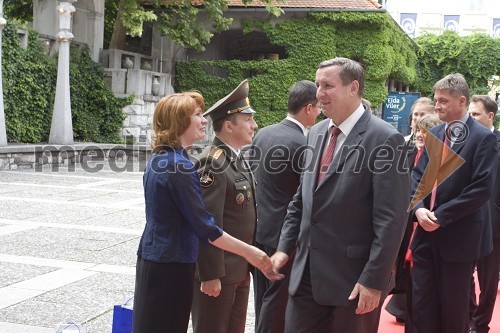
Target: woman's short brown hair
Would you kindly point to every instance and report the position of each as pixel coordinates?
(428, 121)
(172, 117)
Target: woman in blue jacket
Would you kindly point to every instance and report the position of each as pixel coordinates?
(176, 221)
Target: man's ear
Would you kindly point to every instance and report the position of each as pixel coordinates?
(462, 100)
(354, 87)
(227, 126)
(491, 115)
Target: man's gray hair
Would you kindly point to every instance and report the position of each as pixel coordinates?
(455, 83)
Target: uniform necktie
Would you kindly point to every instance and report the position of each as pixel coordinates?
(444, 153)
(327, 157)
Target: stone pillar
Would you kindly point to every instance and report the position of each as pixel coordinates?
(61, 130)
(3, 131)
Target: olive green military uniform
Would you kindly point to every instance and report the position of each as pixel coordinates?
(229, 193)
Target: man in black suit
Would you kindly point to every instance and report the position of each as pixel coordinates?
(483, 109)
(276, 160)
(347, 219)
(454, 218)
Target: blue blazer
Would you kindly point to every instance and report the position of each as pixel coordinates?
(176, 216)
(462, 200)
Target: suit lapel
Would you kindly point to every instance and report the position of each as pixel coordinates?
(460, 143)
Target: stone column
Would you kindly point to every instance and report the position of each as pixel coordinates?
(3, 131)
(61, 130)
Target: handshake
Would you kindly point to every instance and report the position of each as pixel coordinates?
(268, 266)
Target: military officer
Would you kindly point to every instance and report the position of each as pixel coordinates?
(223, 279)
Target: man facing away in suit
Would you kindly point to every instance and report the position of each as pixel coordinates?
(454, 226)
(347, 219)
(483, 109)
(277, 155)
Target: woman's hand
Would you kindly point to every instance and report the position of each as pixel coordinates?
(259, 259)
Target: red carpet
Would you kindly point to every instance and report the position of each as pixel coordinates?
(388, 322)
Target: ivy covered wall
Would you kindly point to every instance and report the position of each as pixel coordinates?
(372, 38)
(476, 56)
(29, 82)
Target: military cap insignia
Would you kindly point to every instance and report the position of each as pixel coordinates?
(235, 102)
(207, 179)
(240, 198)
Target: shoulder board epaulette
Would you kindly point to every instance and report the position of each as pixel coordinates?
(218, 153)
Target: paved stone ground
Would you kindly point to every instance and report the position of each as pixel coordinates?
(68, 244)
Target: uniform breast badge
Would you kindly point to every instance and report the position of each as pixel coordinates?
(207, 179)
(240, 197)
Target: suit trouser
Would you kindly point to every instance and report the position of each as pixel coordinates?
(226, 313)
(400, 306)
(487, 274)
(274, 297)
(440, 291)
(304, 315)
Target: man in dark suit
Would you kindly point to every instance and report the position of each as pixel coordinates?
(348, 216)
(223, 278)
(276, 161)
(454, 220)
(483, 109)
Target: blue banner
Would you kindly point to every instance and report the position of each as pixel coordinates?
(408, 22)
(451, 22)
(496, 28)
(396, 110)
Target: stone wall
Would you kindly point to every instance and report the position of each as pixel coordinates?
(137, 124)
(90, 157)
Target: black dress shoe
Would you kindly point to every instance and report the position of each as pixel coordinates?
(402, 320)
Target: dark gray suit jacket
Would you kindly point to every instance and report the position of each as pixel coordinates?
(495, 201)
(351, 226)
(276, 163)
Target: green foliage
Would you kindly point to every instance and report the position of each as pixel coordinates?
(110, 12)
(29, 81)
(373, 39)
(97, 114)
(477, 57)
(181, 21)
(20, 9)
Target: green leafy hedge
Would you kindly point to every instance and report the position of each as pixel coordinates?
(476, 56)
(370, 38)
(29, 81)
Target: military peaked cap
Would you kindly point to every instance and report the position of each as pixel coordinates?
(235, 102)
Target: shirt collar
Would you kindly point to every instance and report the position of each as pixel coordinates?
(348, 124)
(236, 152)
(295, 121)
(462, 120)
